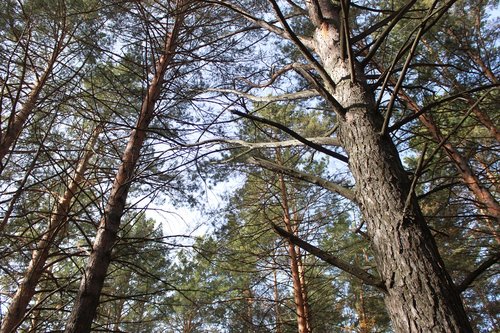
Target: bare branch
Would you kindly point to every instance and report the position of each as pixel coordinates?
(293, 134)
(361, 274)
(455, 128)
(283, 144)
(263, 24)
(328, 185)
(310, 58)
(402, 76)
(346, 31)
(321, 89)
(395, 17)
(478, 271)
(284, 97)
(275, 75)
(430, 106)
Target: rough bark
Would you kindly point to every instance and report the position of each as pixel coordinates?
(421, 296)
(87, 300)
(485, 200)
(24, 293)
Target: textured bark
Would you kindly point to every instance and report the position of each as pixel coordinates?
(87, 300)
(24, 293)
(420, 296)
(485, 200)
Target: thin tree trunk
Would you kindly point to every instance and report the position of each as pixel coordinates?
(303, 288)
(18, 306)
(421, 296)
(298, 292)
(18, 119)
(87, 300)
(364, 324)
(248, 317)
(302, 272)
(277, 303)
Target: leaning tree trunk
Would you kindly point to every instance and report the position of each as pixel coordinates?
(24, 293)
(485, 201)
(85, 307)
(18, 119)
(421, 296)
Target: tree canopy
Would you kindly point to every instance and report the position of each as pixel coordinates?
(339, 161)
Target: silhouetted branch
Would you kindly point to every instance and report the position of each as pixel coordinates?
(361, 274)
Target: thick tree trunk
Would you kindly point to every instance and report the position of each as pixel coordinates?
(85, 307)
(421, 296)
(485, 201)
(18, 306)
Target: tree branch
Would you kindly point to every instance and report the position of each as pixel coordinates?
(293, 134)
(310, 58)
(282, 144)
(395, 18)
(284, 97)
(328, 185)
(321, 89)
(264, 24)
(275, 75)
(361, 274)
(478, 271)
(430, 106)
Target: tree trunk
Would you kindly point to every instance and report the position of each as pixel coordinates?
(276, 302)
(87, 300)
(298, 292)
(248, 315)
(485, 201)
(26, 290)
(17, 120)
(421, 296)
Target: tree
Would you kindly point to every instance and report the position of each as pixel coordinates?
(92, 282)
(58, 219)
(37, 52)
(364, 136)
(419, 292)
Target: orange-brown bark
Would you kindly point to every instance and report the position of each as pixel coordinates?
(24, 293)
(298, 280)
(87, 300)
